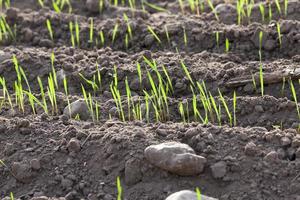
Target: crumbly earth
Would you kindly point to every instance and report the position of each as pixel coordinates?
(57, 157)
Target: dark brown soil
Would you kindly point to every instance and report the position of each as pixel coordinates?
(53, 156)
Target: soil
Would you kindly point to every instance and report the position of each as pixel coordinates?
(56, 157)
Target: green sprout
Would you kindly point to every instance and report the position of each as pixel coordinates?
(213, 9)
(226, 107)
(115, 31)
(184, 37)
(278, 6)
(286, 2)
(217, 38)
(261, 78)
(119, 188)
(227, 45)
(77, 33)
(279, 34)
(41, 2)
(91, 30)
(262, 11)
(198, 193)
(295, 98)
(71, 33)
(49, 27)
(187, 73)
(102, 39)
(154, 34)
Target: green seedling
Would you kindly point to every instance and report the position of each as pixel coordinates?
(155, 7)
(227, 45)
(41, 2)
(261, 79)
(52, 94)
(215, 107)
(129, 30)
(262, 11)
(77, 33)
(181, 111)
(226, 107)
(270, 12)
(184, 37)
(198, 194)
(217, 38)
(119, 189)
(72, 34)
(49, 27)
(286, 3)
(115, 31)
(5, 30)
(187, 73)
(295, 98)
(167, 34)
(139, 72)
(154, 34)
(52, 57)
(279, 34)
(5, 92)
(56, 7)
(181, 6)
(101, 5)
(249, 9)
(260, 40)
(102, 39)
(278, 6)
(11, 196)
(91, 30)
(213, 9)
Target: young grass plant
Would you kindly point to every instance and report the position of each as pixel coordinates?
(261, 79)
(213, 9)
(150, 29)
(295, 98)
(91, 40)
(119, 189)
(115, 31)
(279, 34)
(262, 11)
(49, 27)
(227, 45)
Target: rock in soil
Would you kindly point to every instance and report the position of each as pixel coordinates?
(77, 108)
(175, 157)
(188, 195)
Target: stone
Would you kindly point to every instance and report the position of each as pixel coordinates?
(259, 108)
(219, 169)
(12, 13)
(271, 157)
(35, 164)
(270, 45)
(285, 141)
(28, 34)
(22, 172)
(74, 145)
(93, 5)
(187, 195)
(77, 108)
(175, 157)
(251, 149)
(226, 13)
